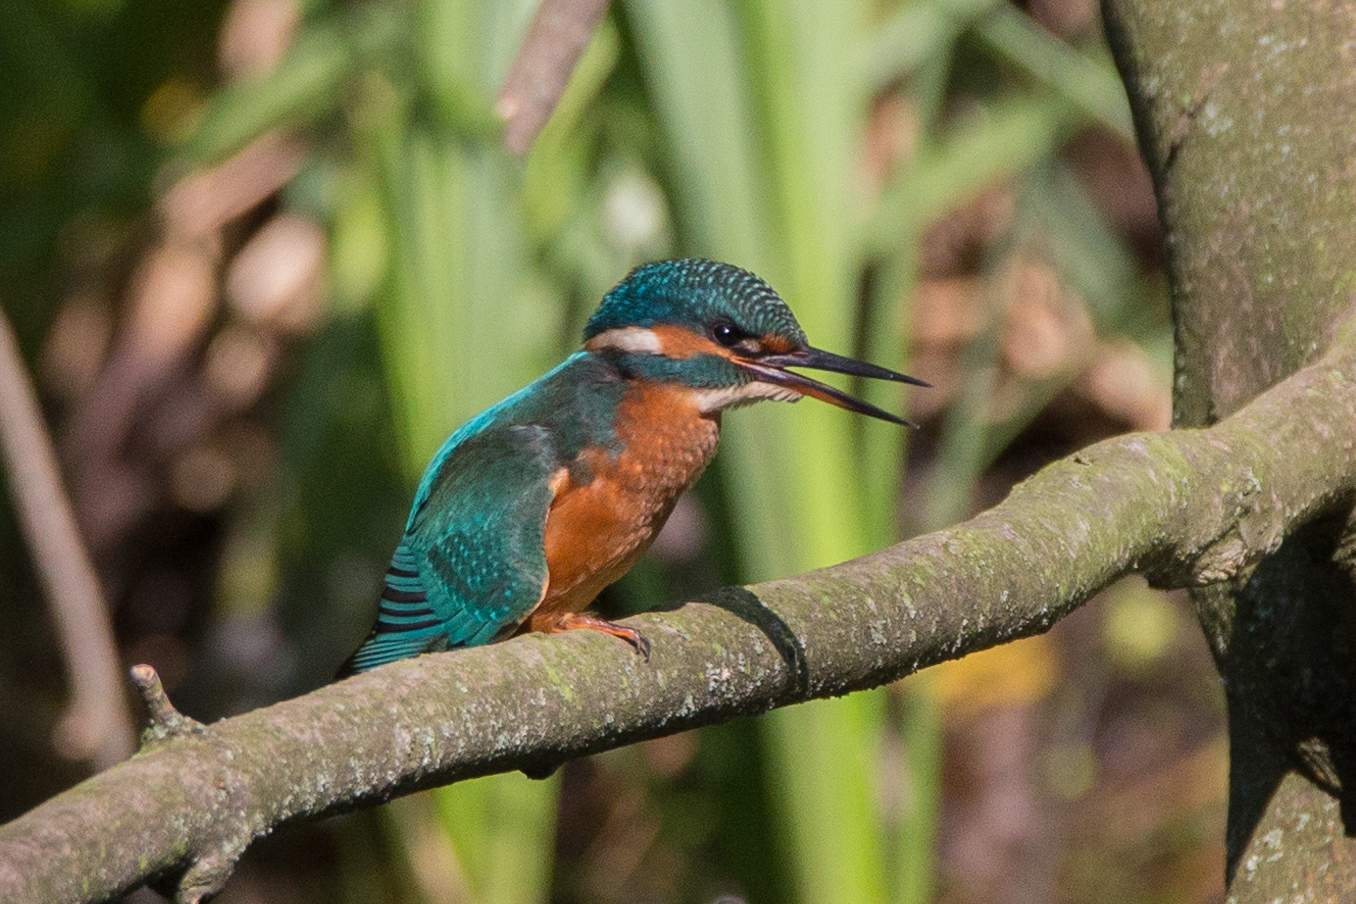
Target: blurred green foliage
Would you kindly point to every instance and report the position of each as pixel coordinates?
(457, 273)
(77, 166)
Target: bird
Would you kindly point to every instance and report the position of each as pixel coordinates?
(533, 506)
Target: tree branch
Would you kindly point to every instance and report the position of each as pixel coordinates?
(1188, 507)
(98, 724)
(559, 35)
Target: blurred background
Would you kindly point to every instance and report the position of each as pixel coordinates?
(262, 256)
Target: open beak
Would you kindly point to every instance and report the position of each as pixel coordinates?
(770, 369)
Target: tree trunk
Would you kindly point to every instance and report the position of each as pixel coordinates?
(1246, 114)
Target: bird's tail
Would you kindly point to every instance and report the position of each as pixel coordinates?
(406, 625)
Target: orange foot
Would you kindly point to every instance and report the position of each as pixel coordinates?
(573, 620)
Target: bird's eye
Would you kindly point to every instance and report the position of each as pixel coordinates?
(726, 333)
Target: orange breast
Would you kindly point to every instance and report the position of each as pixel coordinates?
(596, 529)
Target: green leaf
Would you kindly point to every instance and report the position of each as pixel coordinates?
(1089, 82)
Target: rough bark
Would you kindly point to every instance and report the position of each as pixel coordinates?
(1246, 115)
(1188, 507)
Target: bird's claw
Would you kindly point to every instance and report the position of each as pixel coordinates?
(641, 643)
(577, 620)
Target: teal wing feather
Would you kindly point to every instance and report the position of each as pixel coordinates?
(472, 563)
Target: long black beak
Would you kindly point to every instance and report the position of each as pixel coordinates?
(770, 369)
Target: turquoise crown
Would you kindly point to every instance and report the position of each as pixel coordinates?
(696, 294)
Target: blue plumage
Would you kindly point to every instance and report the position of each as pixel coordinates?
(471, 564)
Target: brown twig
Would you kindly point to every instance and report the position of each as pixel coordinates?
(98, 724)
(165, 721)
(560, 31)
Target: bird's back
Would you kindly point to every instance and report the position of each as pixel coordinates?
(575, 402)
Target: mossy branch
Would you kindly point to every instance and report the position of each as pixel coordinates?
(1188, 507)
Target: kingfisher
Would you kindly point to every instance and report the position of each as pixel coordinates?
(535, 505)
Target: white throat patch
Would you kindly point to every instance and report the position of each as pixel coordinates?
(709, 400)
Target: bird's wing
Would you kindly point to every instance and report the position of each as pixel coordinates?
(472, 562)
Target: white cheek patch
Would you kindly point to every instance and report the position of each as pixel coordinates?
(630, 339)
(709, 400)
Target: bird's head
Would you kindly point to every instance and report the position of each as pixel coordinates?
(723, 333)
